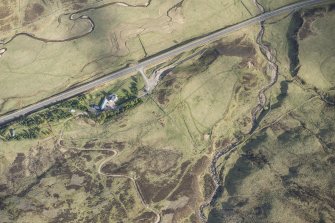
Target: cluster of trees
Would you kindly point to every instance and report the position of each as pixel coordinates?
(112, 114)
(3, 132)
(51, 115)
(32, 125)
(32, 132)
(78, 103)
(29, 133)
(133, 86)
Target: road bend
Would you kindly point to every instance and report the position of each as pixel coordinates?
(156, 59)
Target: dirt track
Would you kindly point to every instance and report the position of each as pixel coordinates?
(138, 190)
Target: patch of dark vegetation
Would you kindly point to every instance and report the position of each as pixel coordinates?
(293, 45)
(233, 211)
(235, 203)
(91, 218)
(328, 98)
(258, 159)
(74, 187)
(109, 182)
(168, 211)
(87, 157)
(32, 12)
(209, 186)
(5, 11)
(258, 120)
(237, 48)
(223, 215)
(89, 145)
(60, 168)
(331, 7)
(283, 94)
(71, 2)
(202, 64)
(221, 143)
(98, 158)
(18, 164)
(92, 186)
(169, 82)
(163, 95)
(65, 216)
(112, 168)
(293, 172)
(292, 135)
(114, 145)
(304, 194)
(163, 189)
(145, 217)
(38, 179)
(263, 211)
(193, 218)
(241, 170)
(184, 165)
(185, 188)
(309, 194)
(77, 7)
(107, 152)
(157, 161)
(309, 17)
(331, 160)
(246, 163)
(200, 165)
(151, 192)
(255, 141)
(241, 202)
(165, 89)
(119, 210)
(188, 187)
(3, 187)
(105, 213)
(5, 28)
(279, 126)
(249, 81)
(2, 205)
(314, 12)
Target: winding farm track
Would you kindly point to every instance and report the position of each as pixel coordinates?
(73, 17)
(156, 59)
(133, 180)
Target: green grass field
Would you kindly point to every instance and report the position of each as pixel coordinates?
(119, 38)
